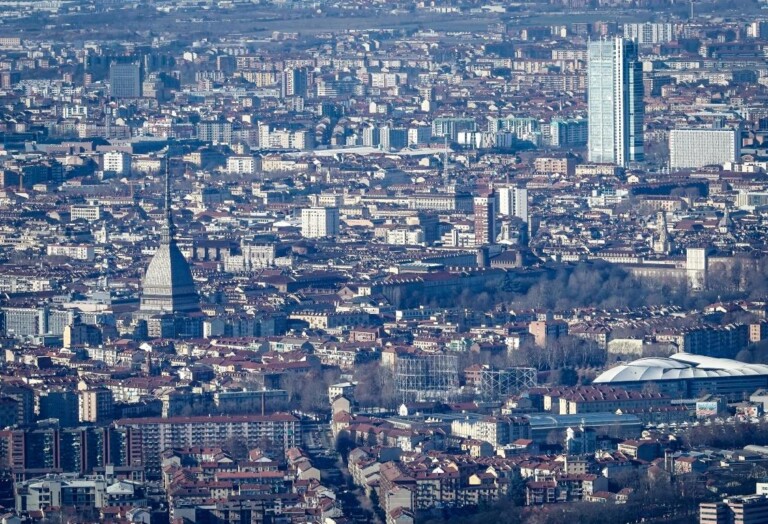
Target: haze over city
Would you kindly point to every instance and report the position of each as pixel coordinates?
(434, 262)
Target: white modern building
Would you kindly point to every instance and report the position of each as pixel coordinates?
(692, 148)
(513, 201)
(696, 264)
(320, 222)
(118, 163)
(90, 213)
(241, 165)
(615, 98)
(650, 33)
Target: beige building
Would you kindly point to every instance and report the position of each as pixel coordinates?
(96, 405)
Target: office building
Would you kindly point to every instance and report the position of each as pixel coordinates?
(513, 201)
(485, 219)
(693, 148)
(125, 80)
(615, 98)
(320, 222)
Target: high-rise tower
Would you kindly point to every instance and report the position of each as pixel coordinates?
(485, 219)
(168, 287)
(616, 109)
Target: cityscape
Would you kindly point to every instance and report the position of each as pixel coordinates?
(431, 262)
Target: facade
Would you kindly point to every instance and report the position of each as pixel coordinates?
(545, 331)
(125, 80)
(615, 99)
(693, 148)
(556, 165)
(28, 322)
(90, 213)
(451, 127)
(696, 265)
(320, 222)
(77, 252)
(55, 492)
(497, 431)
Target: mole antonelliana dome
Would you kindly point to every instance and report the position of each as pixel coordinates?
(168, 286)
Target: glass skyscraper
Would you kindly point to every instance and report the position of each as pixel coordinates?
(615, 97)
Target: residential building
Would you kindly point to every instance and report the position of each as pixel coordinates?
(513, 201)
(96, 405)
(485, 219)
(320, 222)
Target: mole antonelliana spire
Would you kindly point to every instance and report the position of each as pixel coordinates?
(166, 235)
(168, 286)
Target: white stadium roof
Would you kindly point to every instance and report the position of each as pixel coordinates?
(679, 366)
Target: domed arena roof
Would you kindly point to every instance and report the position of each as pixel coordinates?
(679, 366)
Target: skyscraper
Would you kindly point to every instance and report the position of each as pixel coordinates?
(615, 83)
(125, 80)
(168, 287)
